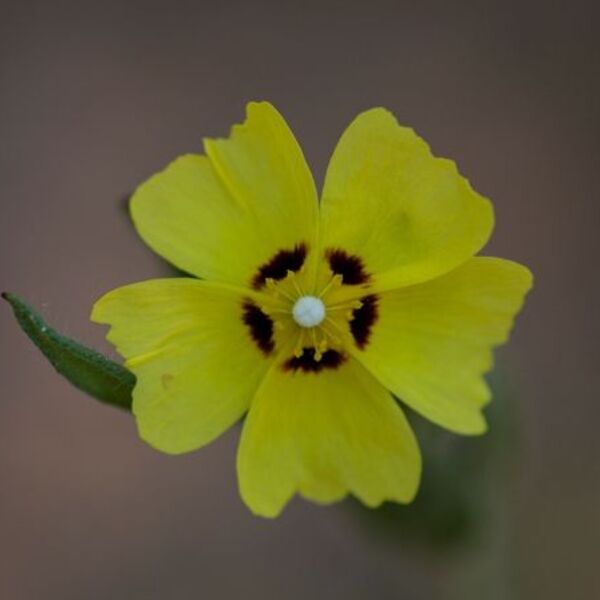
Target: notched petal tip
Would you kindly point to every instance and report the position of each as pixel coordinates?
(255, 110)
(379, 116)
(377, 112)
(258, 106)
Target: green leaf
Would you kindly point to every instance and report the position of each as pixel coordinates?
(86, 369)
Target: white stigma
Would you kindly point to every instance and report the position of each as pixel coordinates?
(308, 311)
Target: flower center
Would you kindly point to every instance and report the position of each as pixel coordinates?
(308, 311)
(313, 326)
(311, 319)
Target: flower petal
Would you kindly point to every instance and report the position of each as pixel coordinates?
(224, 215)
(408, 215)
(196, 365)
(433, 341)
(325, 434)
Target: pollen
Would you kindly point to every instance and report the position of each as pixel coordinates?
(308, 311)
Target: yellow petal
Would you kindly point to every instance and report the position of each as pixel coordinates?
(323, 435)
(408, 215)
(432, 342)
(223, 216)
(196, 365)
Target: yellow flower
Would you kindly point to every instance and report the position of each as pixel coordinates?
(309, 315)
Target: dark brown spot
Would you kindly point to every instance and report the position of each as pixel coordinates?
(307, 363)
(349, 266)
(279, 265)
(363, 319)
(259, 325)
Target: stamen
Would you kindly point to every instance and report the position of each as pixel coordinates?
(307, 363)
(334, 337)
(351, 304)
(292, 277)
(278, 289)
(335, 325)
(336, 281)
(299, 347)
(316, 344)
(268, 310)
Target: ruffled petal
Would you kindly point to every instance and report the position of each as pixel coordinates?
(432, 342)
(224, 215)
(323, 435)
(196, 365)
(408, 215)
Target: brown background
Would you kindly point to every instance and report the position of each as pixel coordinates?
(95, 97)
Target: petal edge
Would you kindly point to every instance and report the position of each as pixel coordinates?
(409, 215)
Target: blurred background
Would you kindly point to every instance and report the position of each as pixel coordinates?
(95, 97)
